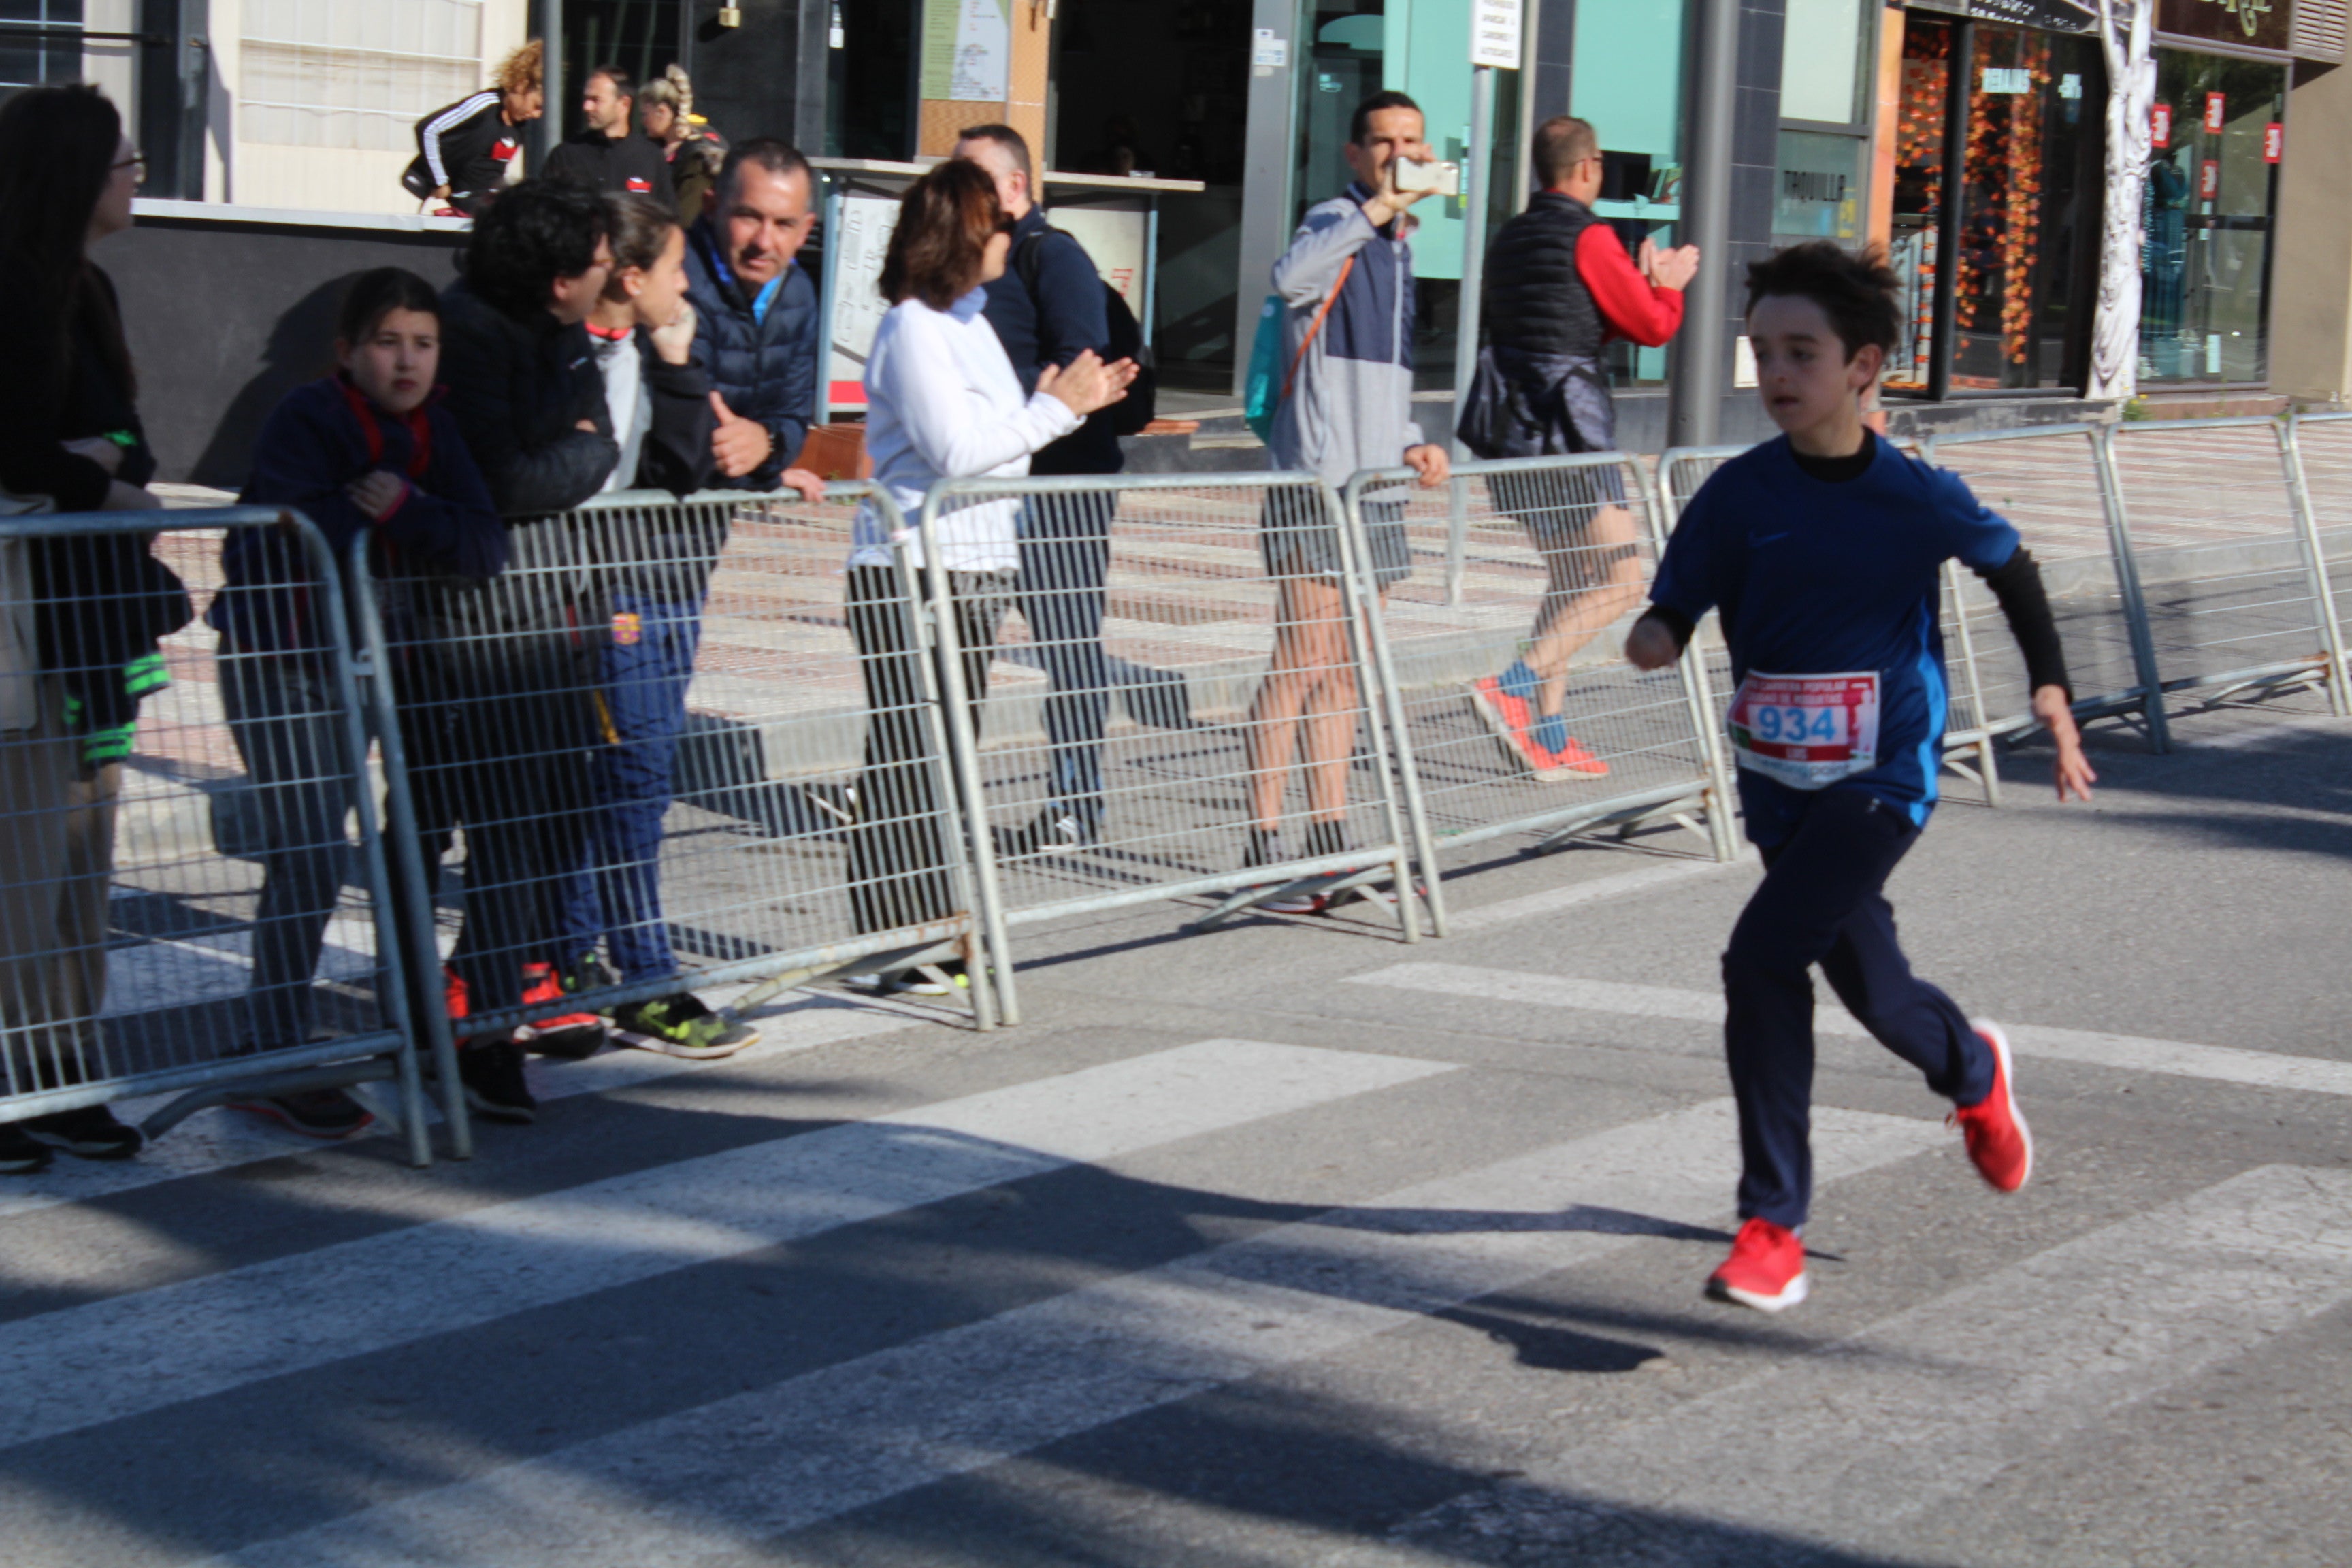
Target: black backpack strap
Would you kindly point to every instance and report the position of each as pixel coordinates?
(1029, 259)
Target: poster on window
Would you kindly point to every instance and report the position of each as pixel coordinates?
(1114, 238)
(855, 257)
(968, 50)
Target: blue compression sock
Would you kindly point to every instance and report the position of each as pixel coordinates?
(1550, 731)
(1519, 681)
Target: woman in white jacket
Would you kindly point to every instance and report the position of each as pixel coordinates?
(942, 402)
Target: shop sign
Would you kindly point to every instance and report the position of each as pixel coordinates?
(2159, 122)
(2217, 113)
(2274, 142)
(1495, 34)
(2051, 16)
(2208, 179)
(2263, 24)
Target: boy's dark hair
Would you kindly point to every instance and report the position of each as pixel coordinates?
(375, 295)
(1857, 291)
(641, 228)
(1360, 124)
(779, 158)
(1004, 136)
(623, 84)
(535, 233)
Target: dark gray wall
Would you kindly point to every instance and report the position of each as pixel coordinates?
(767, 76)
(1755, 159)
(224, 318)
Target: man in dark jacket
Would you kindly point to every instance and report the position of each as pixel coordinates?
(1559, 287)
(757, 332)
(607, 155)
(1047, 309)
(508, 671)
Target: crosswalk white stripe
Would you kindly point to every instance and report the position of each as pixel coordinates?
(1552, 900)
(1934, 1401)
(811, 1447)
(223, 1140)
(128, 1355)
(2223, 1064)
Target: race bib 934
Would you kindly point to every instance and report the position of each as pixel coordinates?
(1806, 731)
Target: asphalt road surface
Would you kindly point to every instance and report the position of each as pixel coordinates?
(1290, 1244)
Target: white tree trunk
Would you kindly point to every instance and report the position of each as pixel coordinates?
(2124, 37)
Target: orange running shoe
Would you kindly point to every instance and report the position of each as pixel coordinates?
(1766, 1269)
(1570, 764)
(572, 1035)
(2000, 1142)
(1509, 718)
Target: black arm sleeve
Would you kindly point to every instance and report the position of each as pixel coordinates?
(1673, 621)
(2017, 584)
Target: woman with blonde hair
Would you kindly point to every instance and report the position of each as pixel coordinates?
(466, 149)
(696, 151)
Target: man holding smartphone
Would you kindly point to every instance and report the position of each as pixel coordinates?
(1559, 287)
(1347, 288)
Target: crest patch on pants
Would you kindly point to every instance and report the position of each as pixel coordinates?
(628, 627)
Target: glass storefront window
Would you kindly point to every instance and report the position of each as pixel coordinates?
(1821, 61)
(1626, 77)
(2205, 274)
(2030, 209)
(1918, 195)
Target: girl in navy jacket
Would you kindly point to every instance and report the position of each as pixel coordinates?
(367, 448)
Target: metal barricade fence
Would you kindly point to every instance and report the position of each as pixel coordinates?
(1142, 660)
(1681, 471)
(2236, 594)
(683, 752)
(1554, 556)
(2053, 484)
(188, 908)
(2319, 449)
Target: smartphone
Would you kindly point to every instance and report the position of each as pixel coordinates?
(1445, 179)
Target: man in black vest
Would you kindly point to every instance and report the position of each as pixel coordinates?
(1559, 287)
(608, 154)
(1047, 309)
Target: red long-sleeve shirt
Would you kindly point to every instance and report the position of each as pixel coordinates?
(1633, 306)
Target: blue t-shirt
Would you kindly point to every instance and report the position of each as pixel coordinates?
(1812, 577)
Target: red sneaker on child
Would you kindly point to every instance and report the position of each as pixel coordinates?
(1999, 1140)
(1766, 1269)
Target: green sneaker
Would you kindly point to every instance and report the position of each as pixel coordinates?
(679, 1027)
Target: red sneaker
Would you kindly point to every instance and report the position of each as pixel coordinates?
(1999, 1141)
(1766, 1269)
(1572, 761)
(1508, 716)
(573, 1035)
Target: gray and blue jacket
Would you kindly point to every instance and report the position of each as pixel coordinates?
(1351, 405)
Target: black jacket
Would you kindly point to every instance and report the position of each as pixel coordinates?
(103, 602)
(1063, 320)
(465, 146)
(1536, 301)
(765, 367)
(617, 165)
(518, 391)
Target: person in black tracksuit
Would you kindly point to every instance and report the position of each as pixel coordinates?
(465, 149)
(607, 155)
(507, 669)
(1065, 540)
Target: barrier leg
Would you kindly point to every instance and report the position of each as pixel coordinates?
(2314, 556)
(1361, 608)
(995, 994)
(2143, 642)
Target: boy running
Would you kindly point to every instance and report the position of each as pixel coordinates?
(1821, 553)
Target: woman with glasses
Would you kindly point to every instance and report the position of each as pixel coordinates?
(942, 402)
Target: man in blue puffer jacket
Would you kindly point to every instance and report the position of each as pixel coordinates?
(756, 331)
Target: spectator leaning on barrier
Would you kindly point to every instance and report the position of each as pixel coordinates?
(1823, 553)
(1347, 287)
(1048, 310)
(508, 674)
(79, 617)
(1559, 287)
(367, 448)
(608, 154)
(694, 150)
(655, 566)
(755, 310)
(942, 402)
(465, 150)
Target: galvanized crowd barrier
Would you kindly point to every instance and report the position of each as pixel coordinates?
(197, 907)
(2321, 446)
(684, 748)
(1548, 561)
(1170, 654)
(2231, 572)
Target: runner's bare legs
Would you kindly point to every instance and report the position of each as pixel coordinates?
(1574, 611)
(1310, 686)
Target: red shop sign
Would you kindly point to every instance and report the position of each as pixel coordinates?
(2209, 180)
(2215, 110)
(2160, 120)
(2274, 142)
